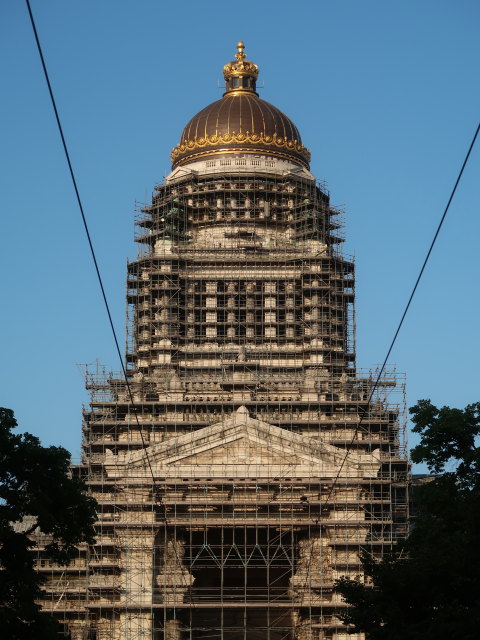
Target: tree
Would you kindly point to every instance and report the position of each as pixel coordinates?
(37, 490)
(429, 586)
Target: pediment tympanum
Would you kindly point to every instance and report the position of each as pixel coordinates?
(241, 446)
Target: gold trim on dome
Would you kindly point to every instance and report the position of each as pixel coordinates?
(239, 91)
(235, 150)
(243, 138)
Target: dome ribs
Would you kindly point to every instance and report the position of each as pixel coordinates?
(240, 122)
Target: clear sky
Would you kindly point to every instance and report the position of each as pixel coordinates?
(385, 94)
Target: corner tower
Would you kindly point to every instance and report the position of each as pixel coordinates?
(250, 470)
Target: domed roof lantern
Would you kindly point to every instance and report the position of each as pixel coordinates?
(240, 74)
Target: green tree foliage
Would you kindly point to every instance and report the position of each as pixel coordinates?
(429, 587)
(36, 490)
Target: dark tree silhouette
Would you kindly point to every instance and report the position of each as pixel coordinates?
(429, 587)
(37, 490)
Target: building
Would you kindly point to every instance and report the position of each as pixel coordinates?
(246, 465)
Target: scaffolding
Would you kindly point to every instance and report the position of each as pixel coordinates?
(222, 512)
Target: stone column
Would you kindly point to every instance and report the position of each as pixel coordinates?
(302, 627)
(108, 629)
(136, 625)
(173, 579)
(313, 570)
(136, 582)
(136, 563)
(78, 629)
(173, 630)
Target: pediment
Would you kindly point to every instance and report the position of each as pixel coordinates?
(242, 451)
(241, 446)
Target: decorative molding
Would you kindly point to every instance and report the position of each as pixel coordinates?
(257, 141)
(251, 447)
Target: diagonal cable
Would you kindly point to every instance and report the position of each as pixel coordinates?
(395, 336)
(404, 314)
(87, 232)
(97, 269)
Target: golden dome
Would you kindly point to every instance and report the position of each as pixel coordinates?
(240, 122)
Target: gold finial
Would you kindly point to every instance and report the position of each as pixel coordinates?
(240, 56)
(240, 69)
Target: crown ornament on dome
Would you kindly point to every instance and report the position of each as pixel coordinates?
(240, 74)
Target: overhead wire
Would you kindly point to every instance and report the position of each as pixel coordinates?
(365, 410)
(404, 314)
(156, 496)
(87, 233)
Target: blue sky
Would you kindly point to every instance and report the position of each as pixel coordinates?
(385, 94)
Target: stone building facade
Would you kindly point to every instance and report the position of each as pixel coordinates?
(248, 461)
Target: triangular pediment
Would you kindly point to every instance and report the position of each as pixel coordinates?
(240, 445)
(242, 450)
